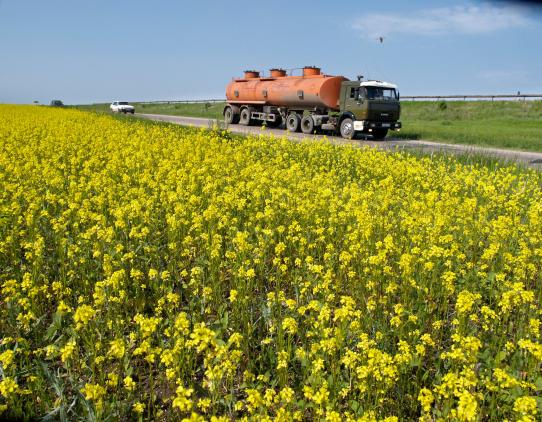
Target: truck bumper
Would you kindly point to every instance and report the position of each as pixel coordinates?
(363, 125)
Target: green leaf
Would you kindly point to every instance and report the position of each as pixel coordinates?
(354, 405)
(499, 357)
(416, 362)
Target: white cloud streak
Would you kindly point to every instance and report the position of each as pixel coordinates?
(466, 19)
(500, 75)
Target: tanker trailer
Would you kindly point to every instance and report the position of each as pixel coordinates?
(313, 102)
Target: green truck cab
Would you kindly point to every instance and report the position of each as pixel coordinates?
(369, 107)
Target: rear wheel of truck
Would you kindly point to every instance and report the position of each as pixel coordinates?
(230, 117)
(379, 134)
(293, 122)
(244, 117)
(307, 125)
(347, 128)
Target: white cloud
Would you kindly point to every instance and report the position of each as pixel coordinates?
(466, 19)
(500, 75)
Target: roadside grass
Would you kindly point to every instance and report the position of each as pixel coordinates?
(499, 124)
(209, 110)
(99, 107)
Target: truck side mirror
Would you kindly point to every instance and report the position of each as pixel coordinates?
(398, 95)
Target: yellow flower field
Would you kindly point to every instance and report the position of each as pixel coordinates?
(156, 272)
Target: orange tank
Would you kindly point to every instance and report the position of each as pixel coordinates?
(312, 90)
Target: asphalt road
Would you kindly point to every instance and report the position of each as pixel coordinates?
(532, 159)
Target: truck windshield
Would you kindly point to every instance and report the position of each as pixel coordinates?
(123, 103)
(378, 93)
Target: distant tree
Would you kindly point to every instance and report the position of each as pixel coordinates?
(36, 102)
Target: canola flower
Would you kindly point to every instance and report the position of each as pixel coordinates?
(168, 273)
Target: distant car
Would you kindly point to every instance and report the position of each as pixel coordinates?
(121, 107)
(56, 103)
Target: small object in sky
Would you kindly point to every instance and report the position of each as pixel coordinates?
(381, 39)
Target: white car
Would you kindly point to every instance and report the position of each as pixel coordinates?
(121, 107)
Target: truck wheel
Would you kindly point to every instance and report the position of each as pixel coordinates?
(244, 117)
(347, 128)
(230, 117)
(293, 122)
(307, 125)
(380, 134)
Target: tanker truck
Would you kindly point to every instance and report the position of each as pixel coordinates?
(313, 102)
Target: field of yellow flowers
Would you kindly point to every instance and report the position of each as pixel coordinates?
(157, 272)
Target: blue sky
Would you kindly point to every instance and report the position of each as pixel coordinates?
(93, 51)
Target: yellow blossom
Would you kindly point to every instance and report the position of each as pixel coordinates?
(67, 351)
(116, 349)
(129, 383)
(93, 392)
(83, 314)
(6, 358)
(138, 407)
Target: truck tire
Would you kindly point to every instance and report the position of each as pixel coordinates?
(230, 117)
(244, 117)
(379, 134)
(307, 125)
(293, 122)
(347, 128)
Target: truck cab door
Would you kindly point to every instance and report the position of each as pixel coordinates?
(355, 102)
